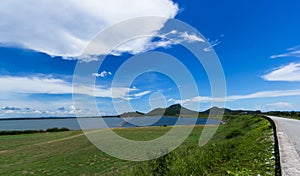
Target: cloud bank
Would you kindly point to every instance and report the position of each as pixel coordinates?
(44, 85)
(279, 106)
(262, 94)
(64, 28)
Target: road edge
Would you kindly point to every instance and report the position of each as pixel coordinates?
(278, 170)
(289, 157)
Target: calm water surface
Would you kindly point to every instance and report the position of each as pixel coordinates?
(96, 123)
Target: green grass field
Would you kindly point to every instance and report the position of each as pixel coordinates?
(243, 146)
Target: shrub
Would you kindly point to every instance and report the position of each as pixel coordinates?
(234, 133)
(15, 132)
(64, 129)
(52, 130)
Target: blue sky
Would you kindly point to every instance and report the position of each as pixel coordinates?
(257, 42)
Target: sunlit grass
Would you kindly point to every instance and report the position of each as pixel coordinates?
(243, 146)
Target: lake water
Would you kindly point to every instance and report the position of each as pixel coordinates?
(96, 123)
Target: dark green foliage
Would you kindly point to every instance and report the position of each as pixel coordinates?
(33, 131)
(287, 114)
(57, 129)
(233, 133)
(64, 129)
(216, 110)
(160, 165)
(52, 130)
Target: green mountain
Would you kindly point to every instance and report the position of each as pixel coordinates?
(173, 110)
(177, 110)
(217, 110)
(132, 114)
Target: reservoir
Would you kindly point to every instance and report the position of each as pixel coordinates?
(98, 123)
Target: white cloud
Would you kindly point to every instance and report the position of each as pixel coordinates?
(292, 52)
(64, 28)
(212, 45)
(279, 106)
(140, 94)
(73, 110)
(28, 104)
(26, 112)
(196, 99)
(6, 108)
(191, 37)
(102, 74)
(262, 94)
(266, 94)
(146, 44)
(290, 72)
(34, 85)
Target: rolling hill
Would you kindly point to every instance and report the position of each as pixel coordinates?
(177, 110)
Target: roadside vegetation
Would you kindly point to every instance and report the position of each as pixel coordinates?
(243, 146)
(286, 114)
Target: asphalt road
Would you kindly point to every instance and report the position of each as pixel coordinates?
(292, 129)
(288, 133)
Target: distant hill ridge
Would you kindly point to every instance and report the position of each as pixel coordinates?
(173, 110)
(178, 110)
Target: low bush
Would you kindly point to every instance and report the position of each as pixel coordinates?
(16, 132)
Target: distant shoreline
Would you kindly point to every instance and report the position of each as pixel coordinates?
(175, 110)
(60, 118)
(50, 118)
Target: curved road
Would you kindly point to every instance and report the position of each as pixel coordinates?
(288, 133)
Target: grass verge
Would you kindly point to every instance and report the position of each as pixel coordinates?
(243, 146)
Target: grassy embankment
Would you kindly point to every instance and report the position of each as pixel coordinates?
(243, 146)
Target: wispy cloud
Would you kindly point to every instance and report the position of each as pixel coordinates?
(40, 94)
(191, 37)
(290, 72)
(257, 95)
(266, 94)
(27, 112)
(140, 94)
(162, 40)
(212, 45)
(34, 84)
(173, 38)
(279, 106)
(46, 27)
(6, 108)
(291, 52)
(102, 74)
(43, 85)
